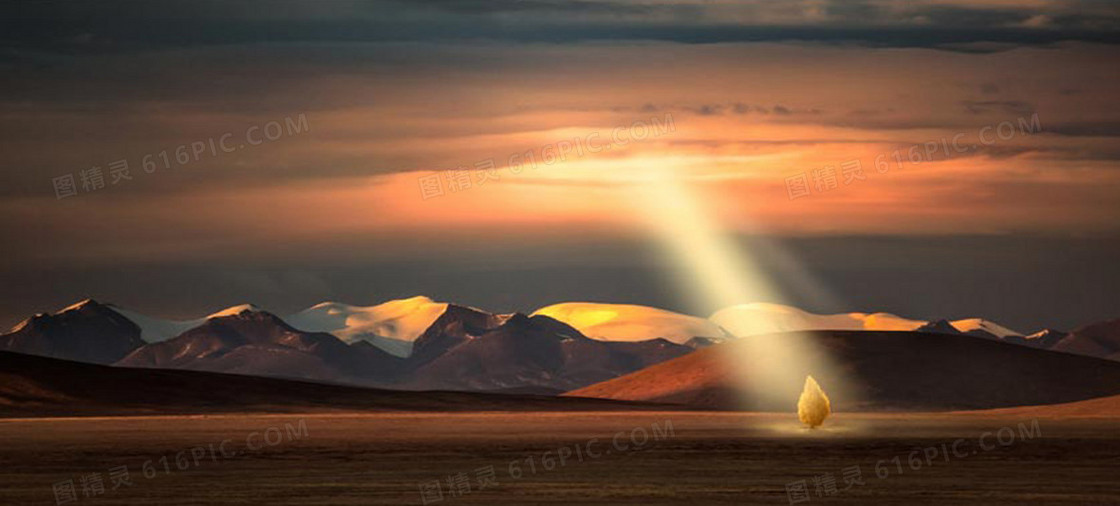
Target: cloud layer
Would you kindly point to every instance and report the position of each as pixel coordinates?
(396, 93)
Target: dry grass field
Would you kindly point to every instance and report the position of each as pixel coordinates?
(560, 458)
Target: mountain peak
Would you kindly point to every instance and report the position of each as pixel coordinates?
(938, 327)
(391, 325)
(417, 299)
(79, 305)
(87, 303)
(236, 310)
(1044, 333)
(86, 331)
(1045, 338)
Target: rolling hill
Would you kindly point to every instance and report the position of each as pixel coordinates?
(877, 370)
(32, 386)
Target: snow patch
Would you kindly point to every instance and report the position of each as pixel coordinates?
(154, 330)
(970, 324)
(75, 306)
(235, 310)
(19, 326)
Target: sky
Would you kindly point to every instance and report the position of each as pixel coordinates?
(929, 158)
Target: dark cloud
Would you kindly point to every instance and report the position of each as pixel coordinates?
(709, 110)
(128, 26)
(1104, 154)
(870, 112)
(538, 6)
(852, 10)
(766, 143)
(963, 17)
(1085, 128)
(721, 109)
(998, 106)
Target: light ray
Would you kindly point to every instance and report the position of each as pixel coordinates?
(717, 274)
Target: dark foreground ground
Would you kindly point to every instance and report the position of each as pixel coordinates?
(559, 458)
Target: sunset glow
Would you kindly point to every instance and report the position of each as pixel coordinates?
(513, 252)
(792, 122)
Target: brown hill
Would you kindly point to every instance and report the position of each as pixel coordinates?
(33, 386)
(1101, 339)
(880, 370)
(259, 343)
(463, 349)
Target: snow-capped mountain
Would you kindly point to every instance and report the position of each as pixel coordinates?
(625, 322)
(155, 330)
(463, 349)
(437, 345)
(87, 331)
(395, 325)
(764, 318)
(246, 340)
(391, 326)
(419, 343)
(468, 349)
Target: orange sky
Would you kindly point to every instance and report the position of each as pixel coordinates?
(744, 118)
(760, 93)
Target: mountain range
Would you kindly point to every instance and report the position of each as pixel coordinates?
(460, 348)
(420, 344)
